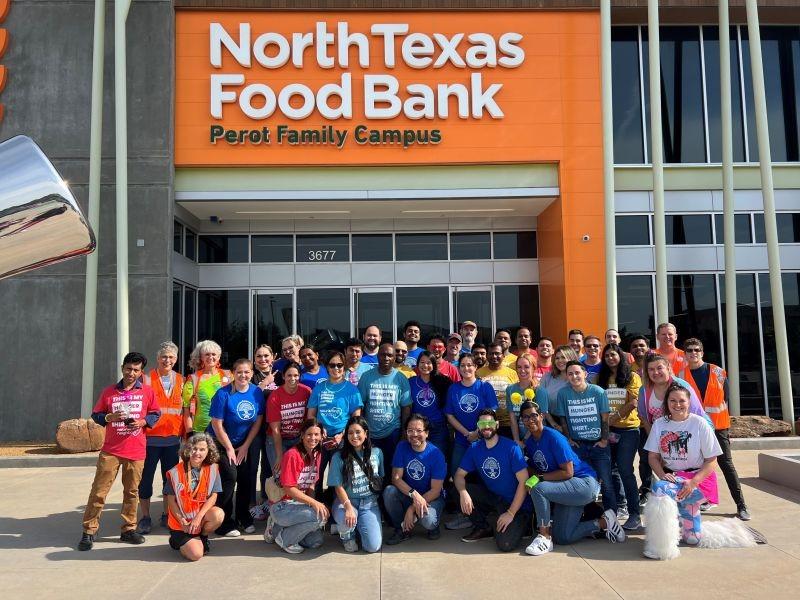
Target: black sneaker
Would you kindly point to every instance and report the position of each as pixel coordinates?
(87, 541)
(397, 537)
(477, 533)
(435, 533)
(206, 544)
(131, 537)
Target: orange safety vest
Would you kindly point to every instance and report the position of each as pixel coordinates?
(171, 421)
(714, 399)
(189, 502)
(679, 364)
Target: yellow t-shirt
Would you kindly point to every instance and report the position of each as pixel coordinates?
(617, 397)
(510, 361)
(406, 370)
(499, 380)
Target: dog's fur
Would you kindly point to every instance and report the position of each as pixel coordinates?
(662, 532)
(727, 533)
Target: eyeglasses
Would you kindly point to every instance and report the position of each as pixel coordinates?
(591, 345)
(336, 365)
(530, 417)
(401, 351)
(693, 350)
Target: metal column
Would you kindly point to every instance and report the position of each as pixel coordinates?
(608, 164)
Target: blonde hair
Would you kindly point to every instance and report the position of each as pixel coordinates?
(167, 347)
(196, 357)
(568, 353)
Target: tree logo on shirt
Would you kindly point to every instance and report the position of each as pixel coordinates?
(415, 469)
(425, 397)
(468, 403)
(245, 409)
(540, 462)
(491, 467)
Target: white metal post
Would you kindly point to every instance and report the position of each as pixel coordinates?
(608, 164)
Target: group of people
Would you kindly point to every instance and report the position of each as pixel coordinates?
(534, 434)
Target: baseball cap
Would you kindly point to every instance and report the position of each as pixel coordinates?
(466, 323)
(454, 336)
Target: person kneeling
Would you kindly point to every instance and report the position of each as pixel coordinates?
(418, 473)
(503, 472)
(191, 492)
(356, 473)
(560, 477)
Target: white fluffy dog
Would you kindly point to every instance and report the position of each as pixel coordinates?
(662, 533)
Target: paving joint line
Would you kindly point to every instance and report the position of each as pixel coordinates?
(588, 564)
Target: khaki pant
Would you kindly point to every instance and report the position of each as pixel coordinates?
(108, 466)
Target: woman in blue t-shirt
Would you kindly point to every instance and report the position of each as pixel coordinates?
(563, 479)
(353, 473)
(428, 395)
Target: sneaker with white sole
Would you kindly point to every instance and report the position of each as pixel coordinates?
(614, 531)
(269, 538)
(648, 553)
(743, 514)
(540, 545)
(250, 529)
(622, 512)
(633, 523)
(460, 522)
(293, 549)
(233, 533)
(707, 506)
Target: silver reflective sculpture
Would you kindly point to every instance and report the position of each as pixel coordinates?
(40, 221)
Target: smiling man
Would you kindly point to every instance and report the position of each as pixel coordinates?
(372, 340)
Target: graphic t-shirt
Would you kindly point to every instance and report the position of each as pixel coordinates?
(618, 397)
(499, 380)
(683, 444)
(497, 467)
(582, 411)
(420, 467)
(514, 403)
(552, 450)
(295, 472)
(288, 409)
(413, 356)
(425, 401)
(206, 388)
(651, 407)
(370, 359)
(121, 440)
(358, 487)
(238, 411)
(311, 380)
(383, 396)
(335, 402)
(464, 403)
(354, 375)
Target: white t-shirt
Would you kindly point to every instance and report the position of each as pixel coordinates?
(683, 444)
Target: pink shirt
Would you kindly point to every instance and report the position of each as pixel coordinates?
(121, 440)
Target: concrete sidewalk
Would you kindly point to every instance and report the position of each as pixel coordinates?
(40, 525)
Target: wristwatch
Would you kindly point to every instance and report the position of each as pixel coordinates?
(411, 492)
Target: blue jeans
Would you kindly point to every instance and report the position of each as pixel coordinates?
(397, 503)
(439, 436)
(622, 454)
(600, 460)
(569, 498)
(168, 457)
(287, 443)
(387, 445)
(297, 523)
(368, 523)
(455, 457)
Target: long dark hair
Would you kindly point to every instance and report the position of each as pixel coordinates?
(348, 452)
(439, 383)
(623, 375)
(308, 459)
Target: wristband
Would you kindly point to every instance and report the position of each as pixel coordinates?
(531, 482)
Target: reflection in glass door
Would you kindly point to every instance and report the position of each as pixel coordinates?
(272, 316)
(374, 306)
(428, 305)
(473, 304)
(323, 316)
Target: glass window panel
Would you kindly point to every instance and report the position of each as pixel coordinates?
(751, 383)
(223, 249)
(177, 311)
(273, 319)
(374, 308)
(191, 244)
(517, 305)
(741, 226)
(758, 224)
(372, 248)
(788, 228)
(189, 331)
(635, 307)
(323, 316)
(713, 95)
(632, 230)
(222, 316)
(517, 244)
(323, 248)
(470, 246)
(474, 305)
(688, 229)
(272, 249)
(626, 96)
(421, 247)
(177, 238)
(681, 94)
(428, 305)
(693, 310)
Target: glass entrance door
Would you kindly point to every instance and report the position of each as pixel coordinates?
(374, 306)
(273, 312)
(323, 316)
(473, 303)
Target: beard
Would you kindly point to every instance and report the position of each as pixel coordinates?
(489, 436)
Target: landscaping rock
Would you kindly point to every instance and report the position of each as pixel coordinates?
(758, 426)
(79, 435)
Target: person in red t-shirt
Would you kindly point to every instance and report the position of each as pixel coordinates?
(125, 409)
(286, 411)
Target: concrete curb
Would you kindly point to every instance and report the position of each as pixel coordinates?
(31, 461)
(766, 443)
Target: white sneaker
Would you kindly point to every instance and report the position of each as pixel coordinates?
(540, 545)
(269, 538)
(250, 529)
(460, 522)
(233, 533)
(293, 549)
(614, 531)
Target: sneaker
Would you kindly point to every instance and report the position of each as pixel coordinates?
(269, 537)
(622, 512)
(144, 526)
(707, 506)
(743, 513)
(250, 529)
(350, 545)
(633, 523)
(435, 533)
(397, 537)
(293, 549)
(258, 513)
(460, 522)
(233, 533)
(131, 537)
(643, 498)
(614, 531)
(206, 544)
(87, 541)
(691, 540)
(540, 545)
(648, 553)
(163, 520)
(477, 533)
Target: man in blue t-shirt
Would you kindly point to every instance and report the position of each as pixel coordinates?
(372, 341)
(583, 410)
(503, 472)
(412, 332)
(387, 402)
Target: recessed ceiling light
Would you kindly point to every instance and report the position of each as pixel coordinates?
(292, 212)
(460, 210)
